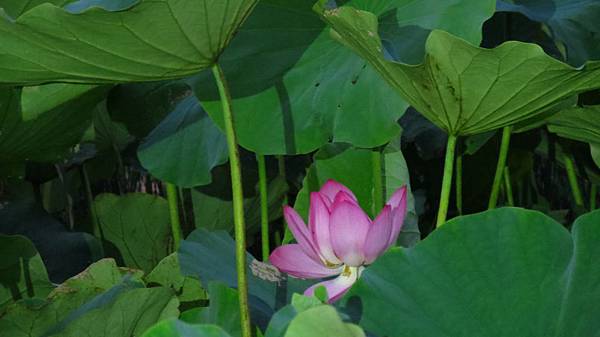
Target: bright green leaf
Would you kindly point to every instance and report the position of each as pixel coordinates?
(506, 272)
(462, 88)
(176, 328)
(168, 274)
(48, 43)
(295, 88)
(321, 321)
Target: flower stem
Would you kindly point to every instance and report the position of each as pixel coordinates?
(90, 201)
(572, 175)
(238, 201)
(508, 187)
(593, 195)
(174, 214)
(459, 160)
(447, 181)
(504, 146)
(264, 208)
(377, 181)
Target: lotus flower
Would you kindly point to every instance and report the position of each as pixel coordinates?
(340, 238)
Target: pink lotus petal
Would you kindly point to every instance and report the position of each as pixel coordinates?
(293, 260)
(318, 222)
(398, 203)
(343, 196)
(337, 287)
(349, 226)
(331, 188)
(398, 197)
(301, 233)
(379, 235)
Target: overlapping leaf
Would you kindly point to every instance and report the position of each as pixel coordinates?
(138, 225)
(465, 89)
(581, 124)
(295, 88)
(500, 273)
(43, 123)
(572, 22)
(155, 39)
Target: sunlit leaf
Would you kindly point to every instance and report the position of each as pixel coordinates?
(462, 88)
(295, 88)
(48, 43)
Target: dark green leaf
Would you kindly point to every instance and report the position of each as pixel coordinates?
(184, 147)
(138, 225)
(505, 272)
(572, 22)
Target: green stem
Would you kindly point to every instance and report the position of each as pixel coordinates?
(174, 213)
(238, 201)
(181, 195)
(447, 181)
(90, 201)
(377, 181)
(572, 175)
(459, 160)
(282, 174)
(508, 187)
(593, 195)
(264, 207)
(504, 146)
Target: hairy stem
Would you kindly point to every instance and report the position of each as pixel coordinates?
(377, 181)
(504, 146)
(238, 201)
(572, 175)
(508, 187)
(459, 160)
(264, 207)
(447, 181)
(174, 214)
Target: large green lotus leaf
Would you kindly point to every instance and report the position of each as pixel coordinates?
(43, 123)
(177, 328)
(184, 147)
(138, 225)
(582, 124)
(505, 272)
(295, 88)
(462, 88)
(210, 256)
(96, 286)
(168, 274)
(224, 310)
(48, 43)
(572, 22)
(321, 321)
(22, 271)
(353, 168)
(14, 8)
(282, 318)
